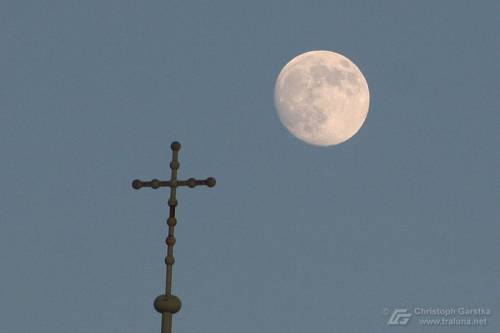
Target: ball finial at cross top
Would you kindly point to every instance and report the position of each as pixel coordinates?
(176, 145)
(169, 304)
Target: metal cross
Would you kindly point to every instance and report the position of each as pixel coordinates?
(168, 304)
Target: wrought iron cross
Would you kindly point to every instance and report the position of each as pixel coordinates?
(169, 304)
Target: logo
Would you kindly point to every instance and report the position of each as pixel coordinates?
(399, 317)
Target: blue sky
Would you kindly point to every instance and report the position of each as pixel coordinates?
(294, 238)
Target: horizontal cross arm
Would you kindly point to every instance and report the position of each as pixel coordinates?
(155, 183)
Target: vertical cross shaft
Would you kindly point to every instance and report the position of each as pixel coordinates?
(169, 304)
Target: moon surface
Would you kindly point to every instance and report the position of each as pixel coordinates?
(322, 98)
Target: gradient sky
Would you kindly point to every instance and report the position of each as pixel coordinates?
(294, 238)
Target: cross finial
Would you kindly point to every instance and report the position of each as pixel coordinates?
(169, 304)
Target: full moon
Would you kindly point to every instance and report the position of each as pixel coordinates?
(321, 97)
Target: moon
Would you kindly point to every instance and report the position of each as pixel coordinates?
(322, 98)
